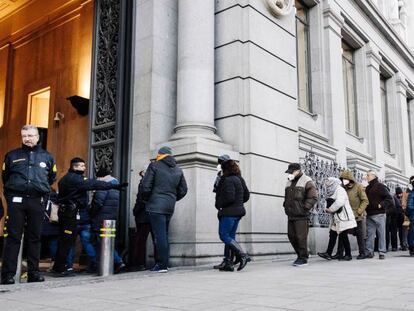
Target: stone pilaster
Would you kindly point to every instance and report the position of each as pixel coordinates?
(334, 91)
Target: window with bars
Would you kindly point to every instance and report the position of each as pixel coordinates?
(303, 56)
(348, 72)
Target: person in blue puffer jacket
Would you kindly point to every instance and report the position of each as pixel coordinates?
(105, 206)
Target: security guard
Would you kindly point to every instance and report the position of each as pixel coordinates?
(73, 196)
(27, 175)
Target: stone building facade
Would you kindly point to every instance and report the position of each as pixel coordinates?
(267, 85)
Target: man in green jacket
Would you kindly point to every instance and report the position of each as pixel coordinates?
(359, 202)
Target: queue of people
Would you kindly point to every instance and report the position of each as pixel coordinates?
(368, 212)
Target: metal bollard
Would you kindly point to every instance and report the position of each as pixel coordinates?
(107, 235)
(19, 262)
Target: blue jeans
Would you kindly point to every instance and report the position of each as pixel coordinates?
(84, 232)
(376, 225)
(410, 237)
(159, 225)
(53, 245)
(227, 229)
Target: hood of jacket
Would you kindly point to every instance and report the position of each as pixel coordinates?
(347, 174)
(170, 161)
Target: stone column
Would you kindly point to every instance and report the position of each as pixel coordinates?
(195, 145)
(403, 127)
(195, 76)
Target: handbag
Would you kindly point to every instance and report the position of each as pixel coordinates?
(52, 210)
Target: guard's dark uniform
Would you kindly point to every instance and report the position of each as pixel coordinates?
(27, 176)
(73, 196)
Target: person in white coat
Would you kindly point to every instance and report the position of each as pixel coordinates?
(343, 219)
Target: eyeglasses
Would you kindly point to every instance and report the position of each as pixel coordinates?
(29, 136)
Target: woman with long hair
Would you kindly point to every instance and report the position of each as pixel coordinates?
(231, 193)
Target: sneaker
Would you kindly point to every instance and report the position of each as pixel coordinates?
(62, 274)
(158, 269)
(300, 262)
(361, 256)
(325, 256)
(346, 258)
(381, 256)
(119, 267)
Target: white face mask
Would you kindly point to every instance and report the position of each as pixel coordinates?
(291, 177)
(219, 168)
(410, 187)
(345, 182)
(365, 183)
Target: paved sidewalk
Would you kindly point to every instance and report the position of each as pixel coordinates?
(370, 284)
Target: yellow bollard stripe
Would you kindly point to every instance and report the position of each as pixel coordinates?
(108, 229)
(6, 235)
(107, 235)
(68, 231)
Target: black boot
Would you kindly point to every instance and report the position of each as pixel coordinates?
(241, 256)
(221, 265)
(228, 266)
(7, 279)
(228, 255)
(33, 277)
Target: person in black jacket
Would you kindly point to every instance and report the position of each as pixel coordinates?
(380, 200)
(231, 193)
(163, 184)
(400, 218)
(105, 206)
(143, 228)
(73, 197)
(27, 175)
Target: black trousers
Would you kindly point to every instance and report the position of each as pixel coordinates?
(67, 236)
(29, 211)
(343, 243)
(391, 231)
(298, 236)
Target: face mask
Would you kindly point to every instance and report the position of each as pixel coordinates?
(365, 183)
(345, 182)
(219, 168)
(410, 187)
(291, 177)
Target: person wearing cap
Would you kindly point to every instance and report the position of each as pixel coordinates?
(228, 254)
(300, 197)
(162, 186)
(380, 200)
(402, 232)
(231, 195)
